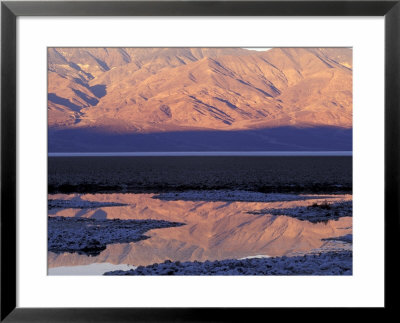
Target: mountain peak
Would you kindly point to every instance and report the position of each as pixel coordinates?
(131, 90)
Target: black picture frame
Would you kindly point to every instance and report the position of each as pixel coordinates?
(10, 10)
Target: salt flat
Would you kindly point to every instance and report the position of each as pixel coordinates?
(213, 230)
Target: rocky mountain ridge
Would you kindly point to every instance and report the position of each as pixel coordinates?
(148, 90)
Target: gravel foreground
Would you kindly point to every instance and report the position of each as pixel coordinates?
(91, 237)
(305, 174)
(235, 196)
(329, 263)
(317, 212)
(78, 203)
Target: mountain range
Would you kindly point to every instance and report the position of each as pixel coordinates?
(174, 99)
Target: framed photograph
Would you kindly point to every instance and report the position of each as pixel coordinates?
(172, 160)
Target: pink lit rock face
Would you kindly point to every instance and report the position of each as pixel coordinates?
(141, 90)
(214, 230)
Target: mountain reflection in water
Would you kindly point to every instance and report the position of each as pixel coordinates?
(214, 230)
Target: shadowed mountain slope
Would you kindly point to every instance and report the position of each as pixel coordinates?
(267, 139)
(158, 91)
